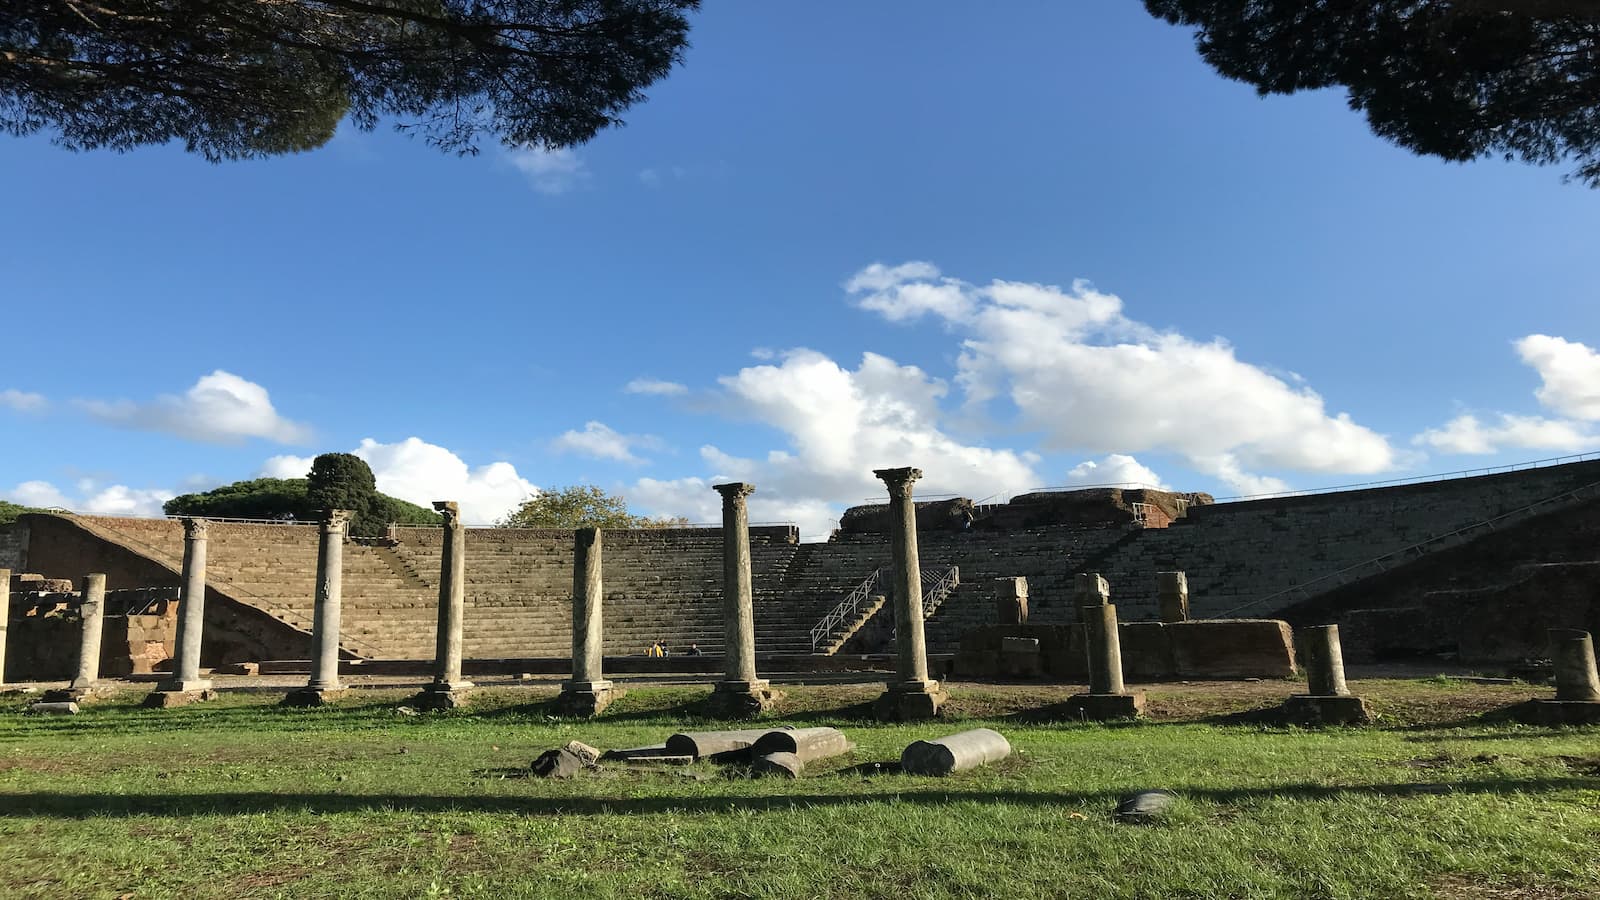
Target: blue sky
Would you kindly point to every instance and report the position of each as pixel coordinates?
(999, 247)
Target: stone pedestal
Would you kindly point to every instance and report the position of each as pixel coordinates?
(186, 686)
(910, 702)
(1328, 700)
(1011, 601)
(1577, 699)
(913, 695)
(1172, 593)
(1108, 696)
(584, 699)
(449, 690)
(324, 686)
(588, 693)
(740, 694)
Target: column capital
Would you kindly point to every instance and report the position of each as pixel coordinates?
(450, 509)
(734, 492)
(898, 480)
(195, 529)
(335, 520)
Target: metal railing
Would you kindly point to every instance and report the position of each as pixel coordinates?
(944, 581)
(937, 584)
(845, 611)
(1377, 564)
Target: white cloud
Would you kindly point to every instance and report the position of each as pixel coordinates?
(655, 387)
(550, 170)
(600, 441)
(419, 472)
(21, 401)
(117, 499)
(1465, 434)
(219, 408)
(840, 424)
(1115, 469)
(1569, 372)
(1091, 379)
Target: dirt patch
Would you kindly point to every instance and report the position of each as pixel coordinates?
(1468, 887)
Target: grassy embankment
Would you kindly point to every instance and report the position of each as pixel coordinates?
(238, 798)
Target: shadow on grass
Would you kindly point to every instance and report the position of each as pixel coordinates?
(87, 806)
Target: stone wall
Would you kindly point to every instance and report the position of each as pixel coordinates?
(13, 547)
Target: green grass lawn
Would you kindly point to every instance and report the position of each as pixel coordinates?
(239, 798)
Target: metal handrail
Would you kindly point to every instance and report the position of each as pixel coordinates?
(845, 610)
(1378, 561)
(944, 581)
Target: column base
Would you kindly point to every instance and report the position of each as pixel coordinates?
(193, 686)
(1105, 707)
(1307, 709)
(910, 701)
(586, 699)
(1561, 712)
(443, 695)
(73, 694)
(740, 700)
(310, 696)
(166, 698)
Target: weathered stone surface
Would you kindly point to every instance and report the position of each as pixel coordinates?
(1305, 709)
(582, 751)
(1019, 657)
(438, 697)
(738, 615)
(1572, 654)
(586, 700)
(1232, 648)
(808, 744)
(651, 752)
(1105, 707)
(1172, 596)
(913, 695)
(1105, 648)
(558, 763)
(310, 696)
(5, 618)
(169, 699)
(704, 744)
(910, 706)
(1562, 712)
(1145, 806)
(1324, 658)
(1091, 589)
(955, 753)
(738, 700)
(92, 615)
(782, 765)
(191, 619)
(240, 668)
(1011, 601)
(452, 610)
(56, 707)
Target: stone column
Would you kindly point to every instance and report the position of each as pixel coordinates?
(1108, 696)
(912, 695)
(1092, 590)
(449, 689)
(1172, 590)
(740, 693)
(1011, 600)
(1328, 700)
(324, 684)
(5, 618)
(186, 685)
(588, 693)
(92, 609)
